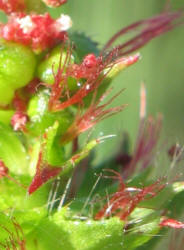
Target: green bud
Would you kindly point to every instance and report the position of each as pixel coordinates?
(17, 66)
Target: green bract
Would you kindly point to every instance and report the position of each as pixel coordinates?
(17, 66)
(51, 65)
(41, 118)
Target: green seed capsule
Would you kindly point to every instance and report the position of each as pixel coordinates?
(17, 66)
(41, 118)
(51, 64)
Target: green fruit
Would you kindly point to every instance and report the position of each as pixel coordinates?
(51, 64)
(17, 66)
(41, 118)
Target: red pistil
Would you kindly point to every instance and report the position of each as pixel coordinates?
(147, 140)
(146, 30)
(93, 69)
(94, 114)
(126, 199)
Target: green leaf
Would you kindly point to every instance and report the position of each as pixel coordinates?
(84, 44)
(61, 232)
(14, 196)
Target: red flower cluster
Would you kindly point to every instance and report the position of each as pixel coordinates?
(10, 6)
(37, 31)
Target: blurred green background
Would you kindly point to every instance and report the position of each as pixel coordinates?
(161, 67)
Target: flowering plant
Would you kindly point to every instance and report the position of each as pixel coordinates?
(53, 86)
